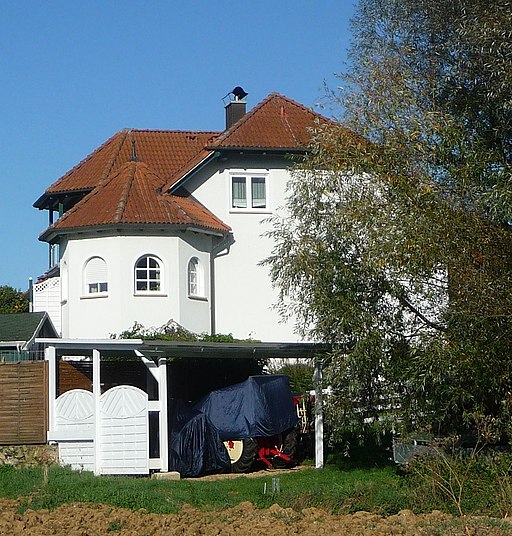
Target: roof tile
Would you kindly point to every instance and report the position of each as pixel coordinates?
(132, 195)
(122, 191)
(277, 122)
(165, 151)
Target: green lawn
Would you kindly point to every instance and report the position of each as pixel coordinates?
(341, 487)
(379, 490)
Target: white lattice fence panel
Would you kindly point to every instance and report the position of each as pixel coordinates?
(47, 297)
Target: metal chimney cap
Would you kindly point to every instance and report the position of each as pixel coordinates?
(239, 92)
(237, 95)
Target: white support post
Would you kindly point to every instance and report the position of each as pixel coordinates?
(96, 391)
(164, 431)
(319, 416)
(50, 355)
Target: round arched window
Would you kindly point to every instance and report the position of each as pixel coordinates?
(195, 277)
(95, 276)
(148, 274)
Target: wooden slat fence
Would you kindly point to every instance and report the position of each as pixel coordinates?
(23, 402)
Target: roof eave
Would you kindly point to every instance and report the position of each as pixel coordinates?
(53, 233)
(42, 203)
(263, 150)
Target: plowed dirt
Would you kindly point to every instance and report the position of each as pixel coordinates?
(244, 519)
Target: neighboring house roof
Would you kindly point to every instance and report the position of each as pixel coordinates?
(24, 327)
(108, 188)
(132, 195)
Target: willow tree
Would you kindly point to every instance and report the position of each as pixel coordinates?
(396, 245)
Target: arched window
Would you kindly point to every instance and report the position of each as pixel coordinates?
(195, 277)
(148, 274)
(95, 276)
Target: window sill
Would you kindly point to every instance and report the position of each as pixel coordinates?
(94, 296)
(197, 298)
(250, 211)
(149, 293)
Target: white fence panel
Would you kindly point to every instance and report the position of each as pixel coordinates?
(47, 297)
(74, 420)
(124, 442)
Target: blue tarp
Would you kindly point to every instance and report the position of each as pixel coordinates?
(261, 406)
(195, 447)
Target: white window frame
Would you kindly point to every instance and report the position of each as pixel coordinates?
(96, 284)
(143, 274)
(195, 278)
(249, 180)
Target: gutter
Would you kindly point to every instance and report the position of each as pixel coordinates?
(51, 233)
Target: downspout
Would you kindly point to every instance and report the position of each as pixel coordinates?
(220, 250)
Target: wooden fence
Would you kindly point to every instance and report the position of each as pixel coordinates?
(24, 402)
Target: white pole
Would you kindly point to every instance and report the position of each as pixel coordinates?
(51, 356)
(319, 416)
(164, 432)
(96, 392)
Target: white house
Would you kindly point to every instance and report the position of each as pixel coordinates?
(160, 225)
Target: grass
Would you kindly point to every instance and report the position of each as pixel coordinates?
(377, 489)
(345, 486)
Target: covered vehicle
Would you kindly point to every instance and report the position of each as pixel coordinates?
(261, 406)
(195, 447)
(231, 428)
(256, 419)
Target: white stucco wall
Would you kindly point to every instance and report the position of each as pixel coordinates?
(244, 294)
(91, 316)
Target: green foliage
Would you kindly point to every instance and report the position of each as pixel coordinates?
(12, 300)
(300, 376)
(398, 245)
(172, 331)
(460, 481)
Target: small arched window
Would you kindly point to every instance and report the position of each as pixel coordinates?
(195, 277)
(148, 273)
(96, 276)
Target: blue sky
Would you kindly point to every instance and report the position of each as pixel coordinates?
(74, 73)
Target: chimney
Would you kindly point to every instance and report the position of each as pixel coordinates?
(236, 107)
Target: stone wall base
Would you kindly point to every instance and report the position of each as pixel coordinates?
(28, 455)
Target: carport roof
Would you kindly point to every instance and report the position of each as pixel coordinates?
(220, 350)
(155, 349)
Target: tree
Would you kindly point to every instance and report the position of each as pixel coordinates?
(12, 300)
(397, 245)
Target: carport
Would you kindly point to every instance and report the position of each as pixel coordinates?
(108, 432)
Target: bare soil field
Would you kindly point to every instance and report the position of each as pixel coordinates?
(96, 520)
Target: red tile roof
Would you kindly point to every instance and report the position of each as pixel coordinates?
(165, 151)
(277, 122)
(119, 191)
(132, 195)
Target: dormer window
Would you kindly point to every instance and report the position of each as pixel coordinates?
(249, 192)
